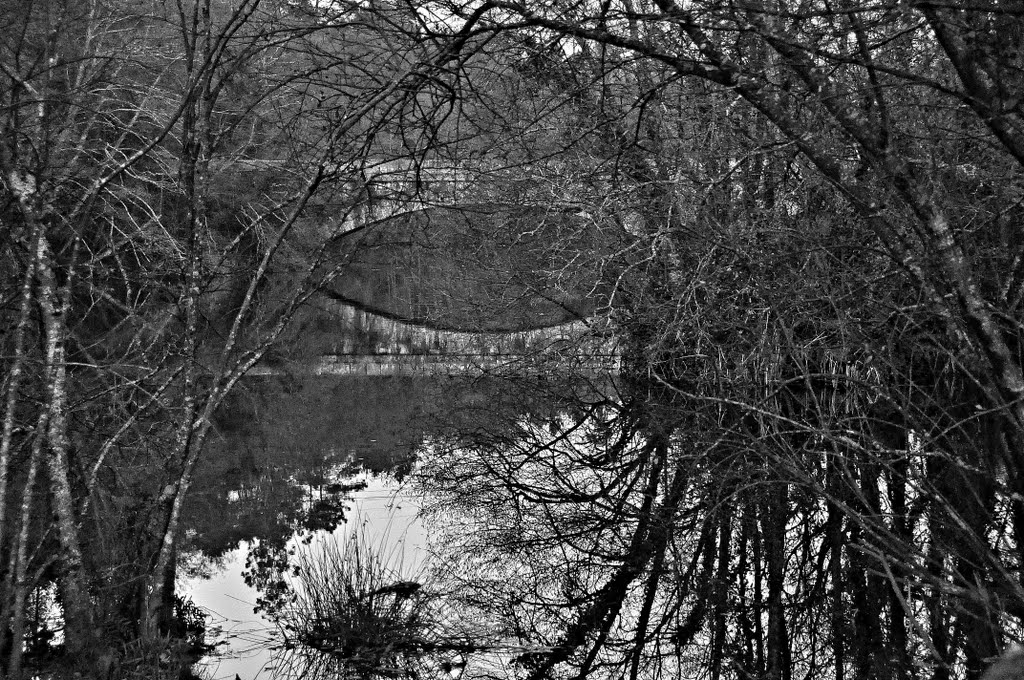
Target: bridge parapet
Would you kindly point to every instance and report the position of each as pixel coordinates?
(379, 188)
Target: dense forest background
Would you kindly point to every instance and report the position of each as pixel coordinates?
(801, 221)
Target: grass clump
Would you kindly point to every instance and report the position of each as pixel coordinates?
(359, 612)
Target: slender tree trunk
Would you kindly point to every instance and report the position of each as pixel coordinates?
(79, 633)
(937, 601)
(15, 374)
(758, 603)
(978, 622)
(155, 618)
(898, 638)
(777, 512)
(19, 561)
(748, 525)
(870, 612)
(836, 541)
(719, 594)
(10, 612)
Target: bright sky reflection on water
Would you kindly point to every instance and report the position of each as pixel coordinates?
(384, 512)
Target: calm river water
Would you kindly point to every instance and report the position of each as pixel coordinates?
(279, 474)
(383, 512)
(300, 464)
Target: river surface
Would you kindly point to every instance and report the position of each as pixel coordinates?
(383, 512)
(284, 471)
(300, 465)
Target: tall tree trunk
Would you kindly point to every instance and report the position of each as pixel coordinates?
(196, 37)
(720, 592)
(79, 632)
(774, 528)
(836, 538)
(15, 373)
(898, 639)
(19, 561)
(748, 526)
(8, 592)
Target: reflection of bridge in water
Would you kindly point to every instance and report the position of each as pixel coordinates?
(417, 364)
(346, 340)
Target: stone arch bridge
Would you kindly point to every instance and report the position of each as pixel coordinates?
(447, 267)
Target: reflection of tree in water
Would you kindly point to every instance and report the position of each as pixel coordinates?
(285, 448)
(543, 521)
(658, 534)
(283, 463)
(347, 610)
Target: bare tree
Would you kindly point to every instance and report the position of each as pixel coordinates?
(820, 311)
(145, 281)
